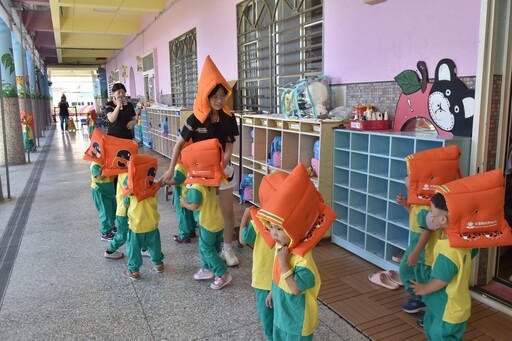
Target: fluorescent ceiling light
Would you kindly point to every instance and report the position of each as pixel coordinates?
(105, 10)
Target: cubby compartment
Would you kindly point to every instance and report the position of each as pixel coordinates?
(377, 207)
(289, 151)
(356, 237)
(247, 142)
(359, 142)
(398, 215)
(255, 193)
(340, 176)
(341, 158)
(340, 194)
(306, 149)
(358, 181)
(376, 227)
(393, 250)
(359, 162)
(357, 219)
(396, 188)
(401, 147)
(397, 236)
(375, 246)
(342, 139)
(422, 145)
(378, 186)
(379, 145)
(379, 166)
(357, 200)
(260, 145)
(341, 210)
(339, 229)
(397, 169)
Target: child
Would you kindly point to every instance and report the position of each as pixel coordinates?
(143, 217)
(121, 221)
(91, 121)
(297, 218)
(104, 199)
(253, 232)
(203, 161)
(27, 124)
(427, 170)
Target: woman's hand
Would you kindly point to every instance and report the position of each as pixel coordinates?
(131, 124)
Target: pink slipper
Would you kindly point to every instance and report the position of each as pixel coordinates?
(394, 277)
(381, 278)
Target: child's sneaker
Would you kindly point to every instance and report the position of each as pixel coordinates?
(108, 236)
(420, 321)
(181, 240)
(228, 255)
(414, 305)
(194, 235)
(222, 281)
(159, 268)
(131, 275)
(145, 253)
(113, 255)
(203, 274)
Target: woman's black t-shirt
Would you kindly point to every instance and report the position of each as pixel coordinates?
(63, 108)
(225, 130)
(118, 128)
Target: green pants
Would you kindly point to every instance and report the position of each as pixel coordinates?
(121, 234)
(420, 272)
(265, 314)
(437, 330)
(186, 222)
(209, 248)
(105, 202)
(282, 335)
(135, 243)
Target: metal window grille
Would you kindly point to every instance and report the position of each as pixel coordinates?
(147, 63)
(184, 76)
(279, 42)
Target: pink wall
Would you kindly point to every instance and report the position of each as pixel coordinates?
(362, 43)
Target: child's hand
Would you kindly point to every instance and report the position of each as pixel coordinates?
(268, 301)
(161, 182)
(401, 200)
(182, 201)
(283, 255)
(418, 288)
(240, 238)
(412, 260)
(245, 217)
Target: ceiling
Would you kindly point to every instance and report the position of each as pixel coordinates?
(83, 32)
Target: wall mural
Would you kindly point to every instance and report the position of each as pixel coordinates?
(447, 103)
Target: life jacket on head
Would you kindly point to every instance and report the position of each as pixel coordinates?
(141, 177)
(93, 114)
(204, 161)
(117, 153)
(300, 210)
(95, 151)
(428, 170)
(210, 78)
(268, 188)
(476, 214)
(27, 118)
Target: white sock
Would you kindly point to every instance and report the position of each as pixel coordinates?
(227, 246)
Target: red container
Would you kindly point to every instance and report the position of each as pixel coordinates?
(360, 109)
(369, 125)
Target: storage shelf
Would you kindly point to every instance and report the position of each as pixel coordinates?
(368, 174)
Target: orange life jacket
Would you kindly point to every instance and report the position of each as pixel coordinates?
(428, 170)
(204, 161)
(27, 118)
(117, 153)
(476, 213)
(95, 151)
(141, 177)
(299, 209)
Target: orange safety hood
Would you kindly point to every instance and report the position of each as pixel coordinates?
(475, 211)
(210, 78)
(96, 149)
(300, 210)
(93, 114)
(117, 154)
(141, 177)
(27, 118)
(204, 161)
(428, 170)
(268, 188)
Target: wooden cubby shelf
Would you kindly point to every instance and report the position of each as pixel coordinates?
(368, 173)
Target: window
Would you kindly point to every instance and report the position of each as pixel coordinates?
(184, 76)
(279, 41)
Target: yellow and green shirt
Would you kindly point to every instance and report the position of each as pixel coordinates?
(417, 218)
(297, 314)
(262, 257)
(208, 215)
(105, 186)
(452, 304)
(180, 175)
(143, 215)
(122, 182)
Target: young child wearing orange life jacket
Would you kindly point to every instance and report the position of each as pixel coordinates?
(296, 218)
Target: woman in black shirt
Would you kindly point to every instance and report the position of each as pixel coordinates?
(120, 113)
(63, 113)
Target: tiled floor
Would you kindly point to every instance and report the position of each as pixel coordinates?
(58, 286)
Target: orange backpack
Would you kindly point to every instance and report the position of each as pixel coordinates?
(117, 154)
(476, 213)
(428, 170)
(299, 209)
(95, 152)
(204, 161)
(141, 177)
